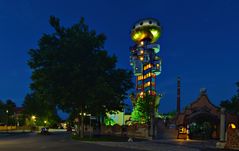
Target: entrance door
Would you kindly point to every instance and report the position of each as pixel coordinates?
(201, 129)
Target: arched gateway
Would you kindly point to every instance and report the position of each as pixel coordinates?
(201, 118)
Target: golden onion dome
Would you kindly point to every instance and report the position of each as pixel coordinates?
(146, 29)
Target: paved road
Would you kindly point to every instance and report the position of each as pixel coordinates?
(168, 145)
(55, 142)
(61, 141)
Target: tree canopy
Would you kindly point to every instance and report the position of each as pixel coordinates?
(71, 69)
(143, 109)
(7, 110)
(35, 106)
(232, 105)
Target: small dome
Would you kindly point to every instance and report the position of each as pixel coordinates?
(146, 29)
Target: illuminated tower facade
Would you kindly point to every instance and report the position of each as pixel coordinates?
(144, 56)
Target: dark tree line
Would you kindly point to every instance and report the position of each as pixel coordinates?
(71, 70)
(7, 112)
(232, 105)
(34, 106)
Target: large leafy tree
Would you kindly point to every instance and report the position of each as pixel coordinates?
(72, 70)
(232, 105)
(34, 105)
(144, 109)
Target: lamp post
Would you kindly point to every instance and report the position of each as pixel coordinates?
(32, 122)
(7, 119)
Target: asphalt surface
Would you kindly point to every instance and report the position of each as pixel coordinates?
(60, 141)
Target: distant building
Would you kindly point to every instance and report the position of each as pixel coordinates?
(119, 118)
(202, 118)
(18, 113)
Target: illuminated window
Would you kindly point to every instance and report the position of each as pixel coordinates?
(140, 77)
(153, 93)
(147, 84)
(147, 75)
(147, 66)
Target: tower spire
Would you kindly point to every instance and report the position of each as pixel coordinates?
(178, 94)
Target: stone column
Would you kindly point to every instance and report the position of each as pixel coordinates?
(222, 125)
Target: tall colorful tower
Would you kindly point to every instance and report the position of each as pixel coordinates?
(144, 56)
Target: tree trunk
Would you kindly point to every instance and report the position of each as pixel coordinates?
(152, 124)
(99, 125)
(82, 123)
(100, 122)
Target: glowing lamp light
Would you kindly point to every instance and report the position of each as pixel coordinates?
(141, 51)
(141, 58)
(142, 43)
(182, 130)
(33, 117)
(154, 32)
(45, 121)
(233, 126)
(136, 35)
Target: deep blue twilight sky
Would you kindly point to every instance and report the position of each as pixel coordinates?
(199, 41)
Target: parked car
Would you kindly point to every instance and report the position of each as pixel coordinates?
(45, 131)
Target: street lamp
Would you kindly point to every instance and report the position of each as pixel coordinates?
(7, 119)
(33, 118)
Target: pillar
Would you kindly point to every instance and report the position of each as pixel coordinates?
(222, 125)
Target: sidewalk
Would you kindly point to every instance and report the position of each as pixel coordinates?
(198, 144)
(4, 134)
(147, 145)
